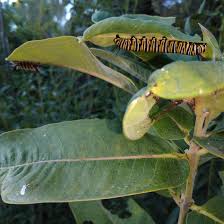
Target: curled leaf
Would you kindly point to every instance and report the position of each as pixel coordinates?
(136, 121)
(104, 32)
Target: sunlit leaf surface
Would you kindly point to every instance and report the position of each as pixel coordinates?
(213, 104)
(66, 51)
(180, 80)
(136, 121)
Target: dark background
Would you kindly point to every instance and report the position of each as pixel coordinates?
(32, 100)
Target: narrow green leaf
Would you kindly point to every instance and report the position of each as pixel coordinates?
(66, 51)
(221, 173)
(84, 160)
(218, 125)
(133, 68)
(104, 32)
(202, 6)
(214, 144)
(210, 213)
(160, 19)
(213, 51)
(180, 80)
(136, 121)
(207, 178)
(95, 212)
(187, 25)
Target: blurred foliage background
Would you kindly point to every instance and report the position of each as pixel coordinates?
(32, 100)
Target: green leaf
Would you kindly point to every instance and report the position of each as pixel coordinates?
(183, 119)
(213, 51)
(136, 121)
(84, 160)
(187, 25)
(180, 80)
(210, 213)
(104, 32)
(133, 68)
(214, 144)
(175, 124)
(160, 19)
(212, 104)
(95, 212)
(66, 51)
(202, 6)
(217, 126)
(167, 129)
(164, 193)
(207, 183)
(90, 211)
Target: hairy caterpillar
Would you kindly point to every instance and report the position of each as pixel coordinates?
(162, 45)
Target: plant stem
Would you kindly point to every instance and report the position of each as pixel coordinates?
(186, 198)
(193, 155)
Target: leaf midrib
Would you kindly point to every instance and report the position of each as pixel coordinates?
(206, 213)
(134, 157)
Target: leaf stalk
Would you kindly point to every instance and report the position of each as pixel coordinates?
(193, 155)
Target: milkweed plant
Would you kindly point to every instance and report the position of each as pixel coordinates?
(169, 129)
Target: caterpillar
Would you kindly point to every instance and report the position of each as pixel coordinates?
(162, 45)
(26, 66)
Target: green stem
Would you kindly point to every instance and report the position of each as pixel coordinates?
(193, 155)
(186, 198)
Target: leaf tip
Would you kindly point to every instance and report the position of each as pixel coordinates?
(80, 39)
